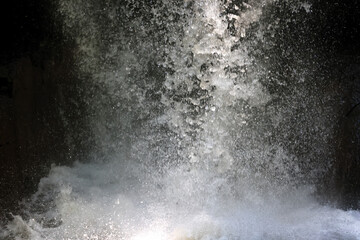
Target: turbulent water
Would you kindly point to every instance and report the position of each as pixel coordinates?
(210, 120)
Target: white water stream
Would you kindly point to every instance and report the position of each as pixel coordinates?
(188, 142)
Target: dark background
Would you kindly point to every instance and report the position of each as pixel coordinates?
(41, 106)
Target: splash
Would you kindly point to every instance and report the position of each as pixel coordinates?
(196, 136)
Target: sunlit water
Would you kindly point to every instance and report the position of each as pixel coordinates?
(191, 140)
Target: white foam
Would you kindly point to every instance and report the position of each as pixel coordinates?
(111, 201)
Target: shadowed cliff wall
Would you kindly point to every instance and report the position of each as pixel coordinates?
(40, 101)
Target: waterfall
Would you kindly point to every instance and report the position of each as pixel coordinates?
(210, 120)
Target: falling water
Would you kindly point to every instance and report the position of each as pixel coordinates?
(201, 129)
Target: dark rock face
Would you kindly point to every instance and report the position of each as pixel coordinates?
(32, 130)
(347, 166)
(40, 104)
(341, 35)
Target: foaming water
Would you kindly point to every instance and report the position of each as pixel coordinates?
(106, 201)
(199, 131)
